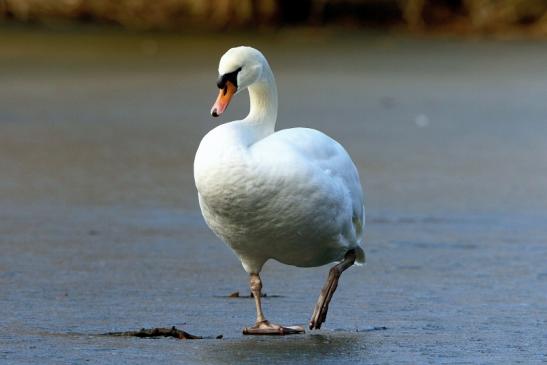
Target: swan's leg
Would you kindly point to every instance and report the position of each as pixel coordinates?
(263, 326)
(256, 290)
(320, 312)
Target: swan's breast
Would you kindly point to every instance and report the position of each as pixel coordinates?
(281, 197)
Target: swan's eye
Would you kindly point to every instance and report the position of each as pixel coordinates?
(230, 76)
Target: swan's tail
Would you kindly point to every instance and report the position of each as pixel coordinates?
(360, 257)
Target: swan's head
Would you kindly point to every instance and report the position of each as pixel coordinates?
(238, 69)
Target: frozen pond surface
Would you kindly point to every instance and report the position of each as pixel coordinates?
(100, 229)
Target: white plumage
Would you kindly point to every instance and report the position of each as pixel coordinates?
(293, 195)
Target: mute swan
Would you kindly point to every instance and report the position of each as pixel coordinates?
(293, 195)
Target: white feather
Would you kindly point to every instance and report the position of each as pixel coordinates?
(292, 195)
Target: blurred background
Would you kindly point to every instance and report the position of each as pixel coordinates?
(441, 105)
(462, 16)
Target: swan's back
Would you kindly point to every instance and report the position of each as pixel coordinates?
(310, 157)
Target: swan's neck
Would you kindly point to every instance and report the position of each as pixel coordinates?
(263, 105)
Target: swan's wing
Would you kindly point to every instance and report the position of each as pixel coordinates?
(319, 157)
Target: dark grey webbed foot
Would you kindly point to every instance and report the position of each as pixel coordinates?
(322, 306)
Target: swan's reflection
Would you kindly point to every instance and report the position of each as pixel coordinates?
(312, 348)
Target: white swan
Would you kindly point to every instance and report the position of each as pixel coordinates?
(293, 195)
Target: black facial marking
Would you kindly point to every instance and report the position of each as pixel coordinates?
(231, 76)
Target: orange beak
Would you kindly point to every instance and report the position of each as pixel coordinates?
(223, 99)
